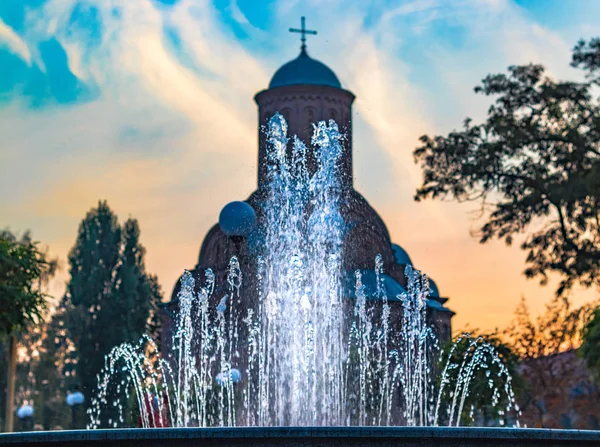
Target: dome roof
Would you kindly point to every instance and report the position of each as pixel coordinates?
(435, 292)
(392, 288)
(400, 255)
(434, 304)
(304, 70)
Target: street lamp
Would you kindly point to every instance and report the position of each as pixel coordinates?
(234, 375)
(25, 415)
(237, 220)
(73, 400)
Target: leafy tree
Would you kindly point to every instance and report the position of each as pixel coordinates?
(45, 369)
(493, 370)
(40, 379)
(112, 295)
(24, 270)
(534, 165)
(53, 369)
(546, 349)
(557, 330)
(590, 348)
(587, 55)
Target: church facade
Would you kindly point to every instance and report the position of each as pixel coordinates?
(306, 91)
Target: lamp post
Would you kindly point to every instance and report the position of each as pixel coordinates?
(25, 415)
(234, 375)
(237, 220)
(74, 400)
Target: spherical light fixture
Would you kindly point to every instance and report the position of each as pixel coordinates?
(234, 374)
(25, 411)
(237, 219)
(75, 398)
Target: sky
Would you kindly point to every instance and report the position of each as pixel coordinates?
(148, 105)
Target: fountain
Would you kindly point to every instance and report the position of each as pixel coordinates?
(281, 355)
(293, 357)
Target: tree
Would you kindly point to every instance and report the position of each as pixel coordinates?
(546, 349)
(135, 289)
(24, 270)
(587, 55)
(556, 330)
(93, 262)
(43, 370)
(51, 365)
(533, 165)
(590, 348)
(154, 327)
(111, 293)
(494, 373)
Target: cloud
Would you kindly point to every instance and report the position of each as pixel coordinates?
(170, 136)
(413, 71)
(411, 7)
(159, 143)
(10, 39)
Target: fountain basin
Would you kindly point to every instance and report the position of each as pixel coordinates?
(307, 436)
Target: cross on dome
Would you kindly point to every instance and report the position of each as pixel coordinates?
(303, 31)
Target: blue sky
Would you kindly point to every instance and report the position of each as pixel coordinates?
(148, 104)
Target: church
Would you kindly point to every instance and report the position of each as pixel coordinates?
(306, 91)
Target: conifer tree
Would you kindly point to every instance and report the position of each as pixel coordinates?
(111, 292)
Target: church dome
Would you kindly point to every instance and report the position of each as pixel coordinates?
(400, 255)
(304, 70)
(435, 292)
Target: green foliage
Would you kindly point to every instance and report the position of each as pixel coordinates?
(93, 262)
(53, 370)
(590, 348)
(23, 271)
(545, 346)
(113, 297)
(556, 330)
(45, 369)
(534, 165)
(484, 406)
(153, 328)
(586, 55)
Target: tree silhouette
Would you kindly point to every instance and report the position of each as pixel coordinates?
(113, 297)
(533, 165)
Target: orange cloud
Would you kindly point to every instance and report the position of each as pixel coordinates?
(190, 133)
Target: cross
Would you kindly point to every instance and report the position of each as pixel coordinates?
(304, 32)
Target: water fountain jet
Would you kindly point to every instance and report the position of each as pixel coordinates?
(303, 352)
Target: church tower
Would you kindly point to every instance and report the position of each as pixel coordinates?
(306, 91)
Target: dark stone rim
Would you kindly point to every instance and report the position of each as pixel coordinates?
(405, 433)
